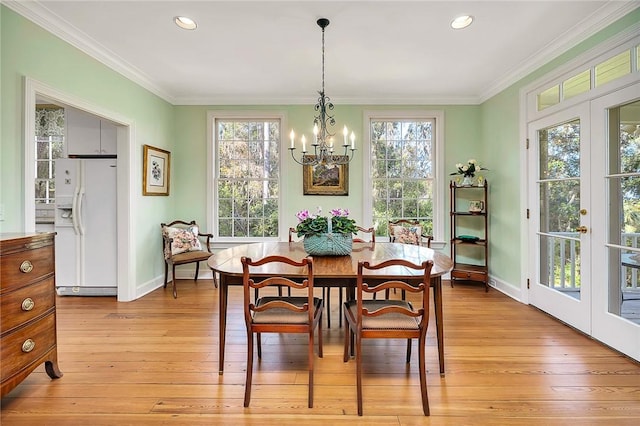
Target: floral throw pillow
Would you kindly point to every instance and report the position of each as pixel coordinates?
(184, 240)
(407, 234)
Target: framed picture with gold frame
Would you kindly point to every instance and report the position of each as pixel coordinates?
(323, 179)
(155, 171)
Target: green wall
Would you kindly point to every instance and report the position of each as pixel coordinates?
(487, 132)
(28, 50)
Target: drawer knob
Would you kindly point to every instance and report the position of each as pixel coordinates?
(28, 346)
(28, 304)
(26, 266)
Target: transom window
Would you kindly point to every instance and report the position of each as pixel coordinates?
(402, 171)
(247, 177)
(576, 82)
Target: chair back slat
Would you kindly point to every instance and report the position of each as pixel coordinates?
(282, 304)
(369, 231)
(392, 309)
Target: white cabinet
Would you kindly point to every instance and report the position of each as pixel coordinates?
(88, 134)
(108, 138)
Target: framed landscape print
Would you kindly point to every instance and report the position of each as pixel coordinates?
(155, 171)
(323, 179)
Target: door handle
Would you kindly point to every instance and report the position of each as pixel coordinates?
(582, 229)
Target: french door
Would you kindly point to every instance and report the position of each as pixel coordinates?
(584, 230)
(560, 216)
(616, 241)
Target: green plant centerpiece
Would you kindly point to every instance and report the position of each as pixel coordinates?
(326, 236)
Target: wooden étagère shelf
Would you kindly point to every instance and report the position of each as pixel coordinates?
(469, 233)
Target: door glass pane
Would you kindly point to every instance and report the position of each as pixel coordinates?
(560, 264)
(559, 148)
(624, 211)
(559, 196)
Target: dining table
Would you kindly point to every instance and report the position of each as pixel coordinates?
(330, 271)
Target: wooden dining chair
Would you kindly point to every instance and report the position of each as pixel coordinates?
(183, 243)
(388, 318)
(280, 314)
(408, 231)
(327, 295)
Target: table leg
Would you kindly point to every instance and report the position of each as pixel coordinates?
(437, 301)
(223, 295)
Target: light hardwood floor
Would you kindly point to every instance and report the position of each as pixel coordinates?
(154, 361)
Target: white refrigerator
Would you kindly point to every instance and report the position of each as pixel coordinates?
(85, 223)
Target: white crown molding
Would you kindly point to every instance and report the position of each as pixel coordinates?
(53, 23)
(235, 100)
(600, 19)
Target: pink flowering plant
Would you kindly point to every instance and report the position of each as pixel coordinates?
(315, 224)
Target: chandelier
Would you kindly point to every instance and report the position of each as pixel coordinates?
(323, 144)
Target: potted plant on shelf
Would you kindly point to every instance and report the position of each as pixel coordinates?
(468, 171)
(326, 236)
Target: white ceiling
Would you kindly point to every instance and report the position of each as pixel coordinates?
(376, 52)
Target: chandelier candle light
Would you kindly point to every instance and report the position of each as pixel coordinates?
(323, 142)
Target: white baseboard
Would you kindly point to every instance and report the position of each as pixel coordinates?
(506, 288)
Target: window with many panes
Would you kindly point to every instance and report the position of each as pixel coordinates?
(402, 165)
(49, 146)
(247, 177)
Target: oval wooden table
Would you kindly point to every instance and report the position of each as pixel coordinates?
(330, 271)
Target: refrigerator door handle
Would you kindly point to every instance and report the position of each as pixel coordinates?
(74, 212)
(79, 210)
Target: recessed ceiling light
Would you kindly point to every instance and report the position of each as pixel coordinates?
(185, 23)
(461, 22)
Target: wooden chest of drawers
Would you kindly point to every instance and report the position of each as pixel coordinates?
(28, 307)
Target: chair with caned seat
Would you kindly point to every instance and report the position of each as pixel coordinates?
(388, 318)
(183, 243)
(280, 314)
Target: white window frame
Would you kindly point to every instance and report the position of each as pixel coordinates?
(440, 182)
(212, 167)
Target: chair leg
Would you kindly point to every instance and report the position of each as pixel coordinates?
(310, 366)
(259, 339)
(340, 307)
(408, 351)
(166, 273)
(197, 270)
(423, 375)
(359, 372)
(215, 279)
(173, 280)
(320, 351)
(247, 385)
(347, 339)
(328, 304)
